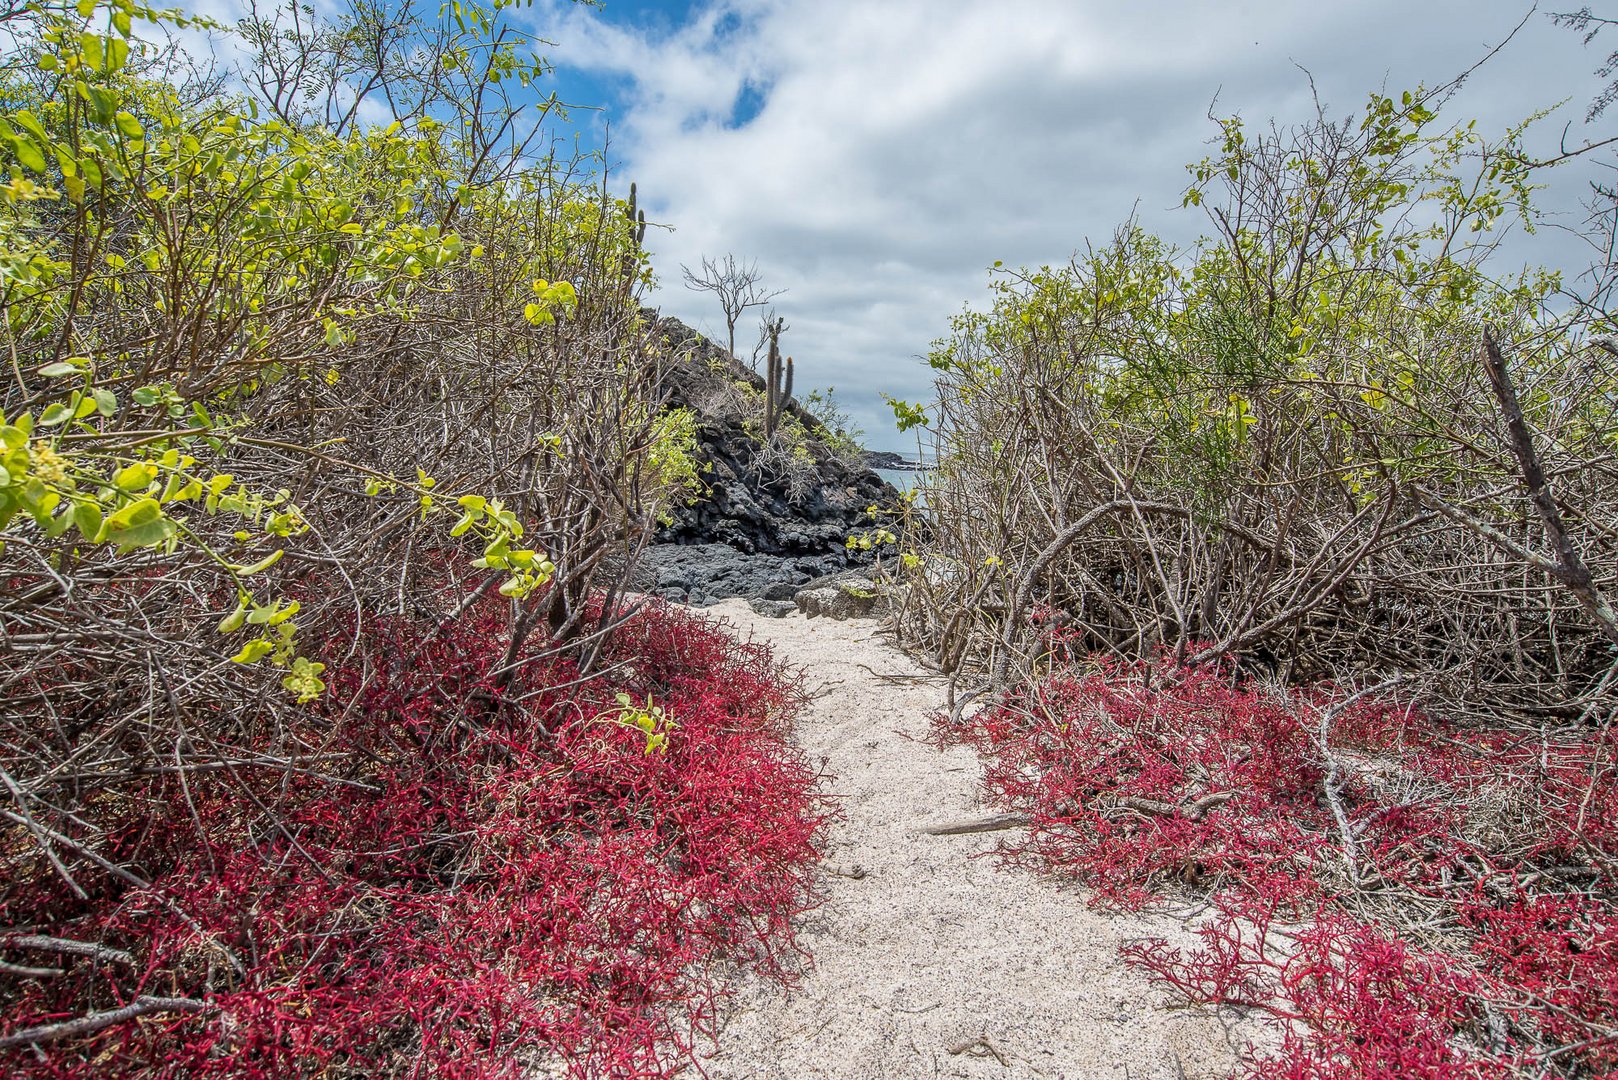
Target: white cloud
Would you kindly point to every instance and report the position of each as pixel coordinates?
(904, 146)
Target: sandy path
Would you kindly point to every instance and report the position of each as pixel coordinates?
(921, 948)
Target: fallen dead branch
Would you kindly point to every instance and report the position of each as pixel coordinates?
(997, 823)
(45, 943)
(85, 1025)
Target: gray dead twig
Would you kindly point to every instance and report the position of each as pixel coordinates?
(84, 1025)
(979, 1047)
(980, 825)
(44, 943)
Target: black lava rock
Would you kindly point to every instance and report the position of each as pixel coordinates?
(703, 574)
(757, 534)
(749, 506)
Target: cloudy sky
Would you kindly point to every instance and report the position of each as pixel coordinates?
(877, 156)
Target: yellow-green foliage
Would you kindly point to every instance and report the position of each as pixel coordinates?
(650, 719)
(672, 459)
(1258, 430)
(170, 264)
(156, 262)
(1205, 349)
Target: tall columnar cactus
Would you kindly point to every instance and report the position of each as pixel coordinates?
(637, 233)
(777, 380)
(637, 220)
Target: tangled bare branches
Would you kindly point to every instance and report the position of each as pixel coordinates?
(260, 392)
(1294, 446)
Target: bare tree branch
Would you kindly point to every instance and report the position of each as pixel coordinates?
(735, 285)
(1569, 567)
(84, 1025)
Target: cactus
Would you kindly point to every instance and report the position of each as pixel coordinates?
(637, 233)
(637, 220)
(777, 380)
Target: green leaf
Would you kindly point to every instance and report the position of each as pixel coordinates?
(87, 515)
(103, 107)
(263, 564)
(90, 49)
(140, 524)
(253, 651)
(28, 123)
(136, 477)
(59, 524)
(127, 124)
(148, 535)
(56, 412)
(138, 513)
(28, 153)
(234, 621)
(58, 369)
(39, 501)
(106, 401)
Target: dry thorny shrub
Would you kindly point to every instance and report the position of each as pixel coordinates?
(1186, 501)
(1286, 445)
(274, 381)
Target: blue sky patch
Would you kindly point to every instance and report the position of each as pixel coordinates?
(750, 101)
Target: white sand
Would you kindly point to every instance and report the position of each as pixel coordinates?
(922, 948)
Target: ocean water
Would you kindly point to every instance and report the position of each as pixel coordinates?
(907, 479)
(903, 479)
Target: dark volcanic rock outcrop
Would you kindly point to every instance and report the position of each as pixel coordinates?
(753, 511)
(756, 504)
(887, 459)
(705, 573)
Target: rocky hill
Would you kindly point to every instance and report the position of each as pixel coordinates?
(778, 510)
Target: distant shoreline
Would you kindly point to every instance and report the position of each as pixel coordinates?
(893, 462)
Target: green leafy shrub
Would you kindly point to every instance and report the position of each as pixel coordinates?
(1262, 446)
(838, 432)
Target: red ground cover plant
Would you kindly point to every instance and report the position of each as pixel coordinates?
(476, 880)
(1405, 898)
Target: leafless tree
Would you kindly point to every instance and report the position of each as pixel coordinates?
(735, 284)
